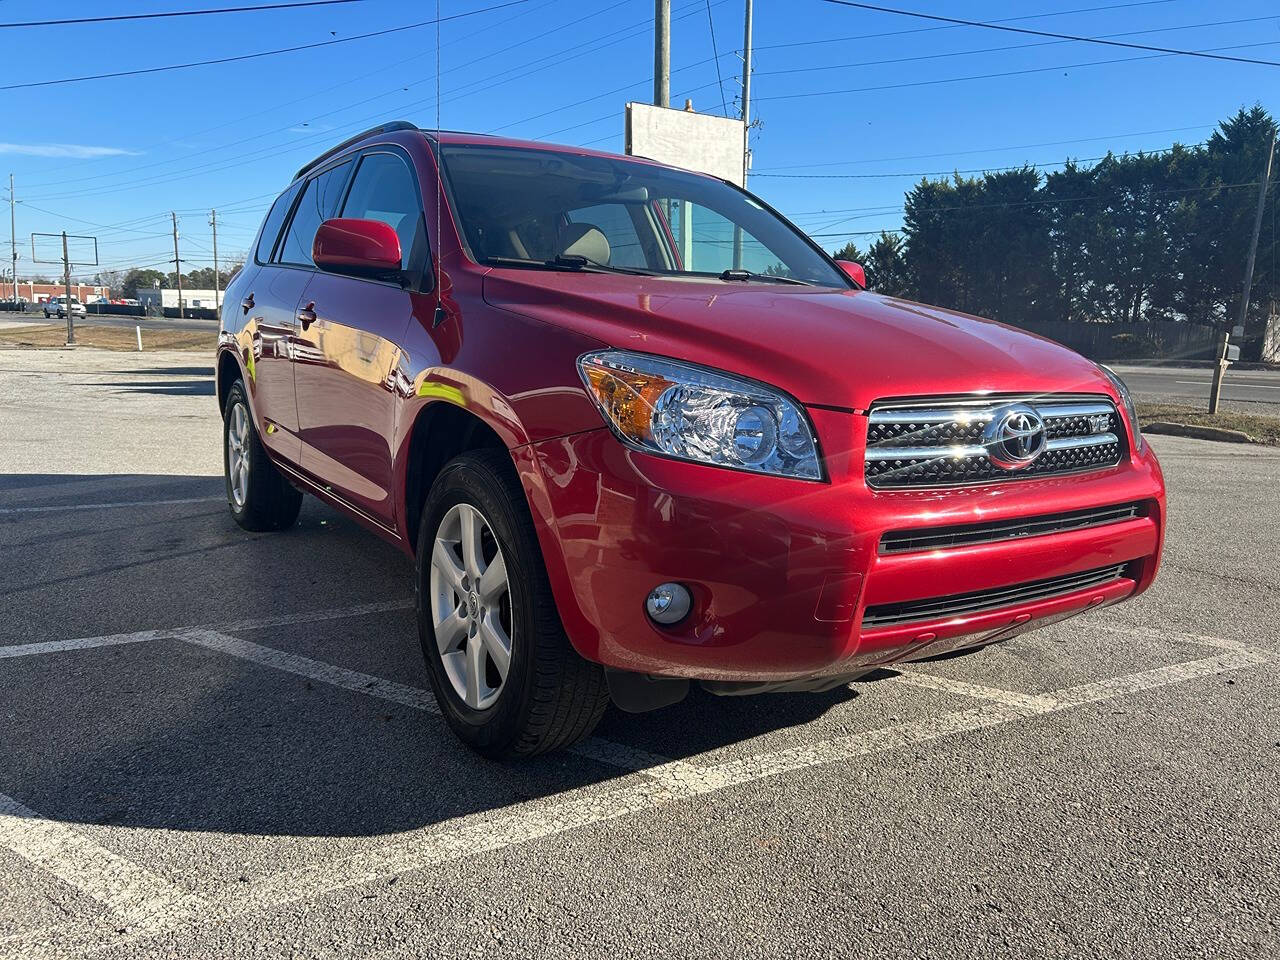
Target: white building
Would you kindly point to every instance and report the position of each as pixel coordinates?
(168, 298)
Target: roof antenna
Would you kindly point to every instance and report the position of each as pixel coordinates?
(440, 316)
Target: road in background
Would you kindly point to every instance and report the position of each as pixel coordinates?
(1191, 384)
(218, 744)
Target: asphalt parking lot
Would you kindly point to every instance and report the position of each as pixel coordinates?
(217, 744)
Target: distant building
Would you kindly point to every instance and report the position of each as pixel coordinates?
(33, 292)
(168, 298)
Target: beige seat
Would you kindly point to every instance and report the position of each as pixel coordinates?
(583, 240)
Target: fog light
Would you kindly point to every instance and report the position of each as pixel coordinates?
(668, 603)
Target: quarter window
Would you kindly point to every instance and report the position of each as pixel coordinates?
(384, 189)
(271, 227)
(319, 202)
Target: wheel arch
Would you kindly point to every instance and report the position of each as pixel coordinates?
(440, 431)
(227, 370)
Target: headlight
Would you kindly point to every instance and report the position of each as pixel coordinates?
(1130, 410)
(685, 411)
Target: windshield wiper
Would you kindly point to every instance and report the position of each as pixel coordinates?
(745, 275)
(575, 261)
(572, 262)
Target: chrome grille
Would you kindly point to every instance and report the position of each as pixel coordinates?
(966, 604)
(940, 443)
(969, 534)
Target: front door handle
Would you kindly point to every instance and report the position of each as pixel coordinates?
(247, 303)
(307, 315)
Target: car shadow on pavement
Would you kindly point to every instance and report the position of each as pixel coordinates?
(168, 733)
(174, 388)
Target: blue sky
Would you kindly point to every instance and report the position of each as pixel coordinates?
(853, 105)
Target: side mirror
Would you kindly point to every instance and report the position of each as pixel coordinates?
(362, 248)
(855, 272)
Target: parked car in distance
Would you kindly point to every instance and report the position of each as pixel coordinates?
(637, 431)
(57, 307)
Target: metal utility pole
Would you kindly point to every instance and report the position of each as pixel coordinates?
(662, 53)
(13, 241)
(177, 267)
(66, 279)
(1215, 389)
(746, 93)
(213, 222)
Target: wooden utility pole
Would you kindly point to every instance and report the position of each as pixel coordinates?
(213, 222)
(662, 53)
(66, 279)
(13, 241)
(1224, 360)
(177, 267)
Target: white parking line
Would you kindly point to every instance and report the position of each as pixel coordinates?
(1037, 703)
(66, 507)
(152, 904)
(477, 833)
(9, 651)
(316, 670)
(674, 773)
(310, 616)
(135, 896)
(258, 623)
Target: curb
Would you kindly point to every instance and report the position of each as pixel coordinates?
(1199, 433)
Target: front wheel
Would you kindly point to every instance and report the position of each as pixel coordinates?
(508, 682)
(259, 497)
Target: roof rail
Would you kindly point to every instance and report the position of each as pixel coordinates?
(381, 128)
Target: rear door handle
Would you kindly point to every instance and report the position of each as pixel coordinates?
(247, 303)
(307, 315)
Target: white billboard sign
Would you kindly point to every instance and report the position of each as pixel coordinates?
(682, 138)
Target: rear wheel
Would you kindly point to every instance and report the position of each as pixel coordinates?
(508, 682)
(260, 498)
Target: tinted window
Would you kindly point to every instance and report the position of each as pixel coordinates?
(319, 202)
(614, 221)
(514, 205)
(384, 189)
(271, 228)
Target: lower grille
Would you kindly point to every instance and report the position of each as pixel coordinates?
(969, 534)
(964, 604)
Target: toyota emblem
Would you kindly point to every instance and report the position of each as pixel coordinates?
(1015, 437)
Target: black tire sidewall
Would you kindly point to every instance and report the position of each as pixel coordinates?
(469, 480)
(234, 396)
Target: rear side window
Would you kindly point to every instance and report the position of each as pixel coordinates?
(384, 189)
(319, 202)
(275, 219)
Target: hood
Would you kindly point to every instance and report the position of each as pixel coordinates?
(840, 348)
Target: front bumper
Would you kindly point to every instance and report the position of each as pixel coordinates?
(783, 570)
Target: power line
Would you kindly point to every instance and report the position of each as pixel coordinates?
(956, 21)
(176, 13)
(992, 76)
(1017, 146)
(297, 142)
(1009, 204)
(261, 53)
(711, 25)
(946, 173)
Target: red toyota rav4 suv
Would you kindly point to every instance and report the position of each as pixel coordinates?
(638, 430)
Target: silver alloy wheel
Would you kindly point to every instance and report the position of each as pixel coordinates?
(238, 454)
(471, 606)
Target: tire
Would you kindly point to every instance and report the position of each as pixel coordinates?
(550, 697)
(263, 499)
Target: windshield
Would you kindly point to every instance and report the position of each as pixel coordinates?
(540, 208)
